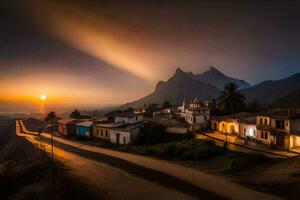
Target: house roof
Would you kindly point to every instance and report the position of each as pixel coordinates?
(282, 113)
(85, 123)
(32, 124)
(127, 114)
(248, 120)
(128, 127)
(66, 120)
(242, 116)
(109, 124)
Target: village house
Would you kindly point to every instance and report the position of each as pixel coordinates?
(102, 129)
(241, 124)
(195, 113)
(165, 113)
(121, 128)
(128, 130)
(67, 126)
(125, 134)
(279, 128)
(84, 129)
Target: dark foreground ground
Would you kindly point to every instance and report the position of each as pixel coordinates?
(27, 173)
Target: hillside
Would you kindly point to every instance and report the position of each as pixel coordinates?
(180, 86)
(291, 100)
(206, 86)
(218, 79)
(270, 91)
(26, 172)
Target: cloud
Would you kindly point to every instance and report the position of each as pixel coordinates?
(94, 34)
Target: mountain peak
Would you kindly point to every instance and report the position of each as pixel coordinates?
(212, 69)
(218, 79)
(179, 73)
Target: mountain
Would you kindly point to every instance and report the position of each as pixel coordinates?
(206, 86)
(291, 100)
(218, 79)
(268, 92)
(180, 86)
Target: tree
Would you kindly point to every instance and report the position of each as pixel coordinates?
(75, 114)
(51, 117)
(253, 107)
(166, 104)
(231, 100)
(150, 109)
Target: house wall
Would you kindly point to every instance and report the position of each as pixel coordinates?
(83, 131)
(295, 126)
(228, 127)
(101, 132)
(196, 119)
(265, 120)
(265, 137)
(129, 120)
(248, 130)
(214, 125)
(286, 125)
(294, 141)
(71, 129)
(126, 137)
(62, 129)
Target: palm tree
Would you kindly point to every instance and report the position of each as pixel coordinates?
(51, 116)
(75, 114)
(231, 100)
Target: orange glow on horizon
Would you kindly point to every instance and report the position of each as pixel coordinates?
(43, 97)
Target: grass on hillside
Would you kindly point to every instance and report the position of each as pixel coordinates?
(26, 173)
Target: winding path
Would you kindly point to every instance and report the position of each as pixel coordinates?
(121, 175)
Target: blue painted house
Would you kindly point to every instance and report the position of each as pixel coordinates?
(84, 129)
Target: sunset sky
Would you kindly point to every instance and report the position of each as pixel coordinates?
(92, 54)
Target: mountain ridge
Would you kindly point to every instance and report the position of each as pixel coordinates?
(186, 85)
(181, 85)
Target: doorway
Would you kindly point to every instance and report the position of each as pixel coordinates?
(280, 141)
(118, 138)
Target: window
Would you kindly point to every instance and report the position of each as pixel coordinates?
(265, 121)
(279, 124)
(266, 135)
(124, 140)
(101, 132)
(106, 133)
(261, 121)
(194, 119)
(205, 117)
(244, 130)
(136, 118)
(97, 131)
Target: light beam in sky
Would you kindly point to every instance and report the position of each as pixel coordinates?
(96, 35)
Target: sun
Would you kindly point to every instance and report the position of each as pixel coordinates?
(43, 97)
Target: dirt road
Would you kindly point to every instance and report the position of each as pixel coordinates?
(126, 176)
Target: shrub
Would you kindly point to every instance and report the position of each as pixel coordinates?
(247, 160)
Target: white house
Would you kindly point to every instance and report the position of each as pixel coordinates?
(195, 113)
(240, 124)
(280, 128)
(247, 127)
(125, 134)
(122, 130)
(128, 118)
